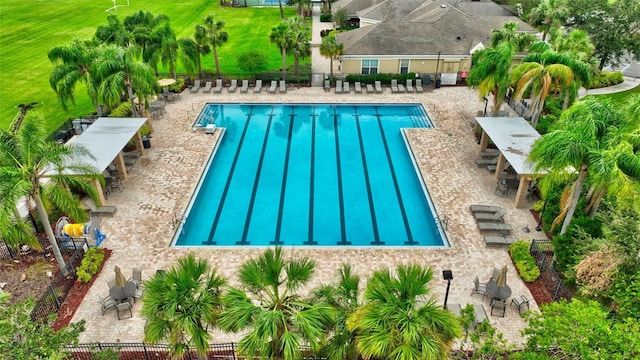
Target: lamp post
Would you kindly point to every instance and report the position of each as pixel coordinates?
(447, 275)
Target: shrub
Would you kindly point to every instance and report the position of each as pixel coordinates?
(177, 86)
(604, 78)
(525, 263)
(383, 78)
(123, 110)
(325, 18)
(252, 61)
(90, 265)
(538, 205)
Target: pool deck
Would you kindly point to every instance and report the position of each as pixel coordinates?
(162, 182)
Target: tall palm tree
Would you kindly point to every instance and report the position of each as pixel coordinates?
(282, 36)
(343, 297)
(490, 72)
(73, 64)
(549, 14)
(165, 47)
(192, 50)
(281, 10)
(266, 307)
(400, 321)
(509, 34)
(120, 72)
(44, 171)
(113, 33)
(215, 36)
(577, 44)
(182, 304)
(332, 49)
(300, 41)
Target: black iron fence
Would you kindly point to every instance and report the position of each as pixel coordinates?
(6, 252)
(542, 251)
(56, 293)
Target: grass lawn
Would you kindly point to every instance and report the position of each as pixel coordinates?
(31, 28)
(621, 98)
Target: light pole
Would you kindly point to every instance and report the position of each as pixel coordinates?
(447, 275)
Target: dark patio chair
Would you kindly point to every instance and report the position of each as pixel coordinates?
(124, 307)
(499, 305)
(478, 288)
(521, 302)
(106, 303)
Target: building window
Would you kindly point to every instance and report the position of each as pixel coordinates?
(404, 66)
(369, 67)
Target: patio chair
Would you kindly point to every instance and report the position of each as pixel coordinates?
(419, 88)
(370, 89)
(233, 86)
(218, 88)
(358, 87)
(283, 87)
(272, 88)
(124, 307)
(501, 228)
(111, 283)
(521, 302)
(379, 89)
(136, 276)
(346, 87)
(207, 87)
(409, 86)
(327, 85)
(488, 217)
(478, 288)
(484, 208)
(258, 87)
(106, 303)
(502, 188)
(495, 273)
(245, 87)
(338, 86)
(137, 294)
(394, 86)
(498, 305)
(196, 86)
(498, 240)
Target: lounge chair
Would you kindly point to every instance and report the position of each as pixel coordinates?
(339, 87)
(245, 86)
(272, 88)
(102, 210)
(401, 88)
(455, 309)
(218, 88)
(233, 86)
(258, 86)
(409, 86)
(501, 228)
(379, 87)
(394, 86)
(484, 208)
(207, 87)
(498, 240)
(327, 85)
(489, 154)
(370, 89)
(486, 162)
(195, 87)
(283, 87)
(346, 87)
(480, 314)
(358, 87)
(419, 88)
(490, 217)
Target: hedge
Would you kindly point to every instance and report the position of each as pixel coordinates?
(383, 78)
(525, 263)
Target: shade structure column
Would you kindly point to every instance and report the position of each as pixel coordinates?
(484, 142)
(122, 168)
(98, 185)
(139, 145)
(521, 195)
(500, 165)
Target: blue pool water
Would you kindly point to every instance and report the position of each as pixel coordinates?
(311, 175)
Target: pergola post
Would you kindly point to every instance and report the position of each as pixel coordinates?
(122, 168)
(484, 142)
(138, 141)
(98, 186)
(500, 165)
(523, 187)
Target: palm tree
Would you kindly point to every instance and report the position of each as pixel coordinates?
(400, 321)
(193, 49)
(576, 44)
(266, 307)
(282, 36)
(215, 36)
(281, 10)
(549, 14)
(490, 72)
(120, 72)
(509, 33)
(114, 33)
(29, 159)
(343, 297)
(165, 47)
(182, 304)
(301, 42)
(332, 49)
(73, 64)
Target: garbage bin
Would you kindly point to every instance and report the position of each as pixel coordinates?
(438, 84)
(146, 142)
(426, 80)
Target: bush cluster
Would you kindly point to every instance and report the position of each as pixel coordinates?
(178, 86)
(90, 264)
(123, 110)
(383, 78)
(325, 17)
(605, 78)
(525, 263)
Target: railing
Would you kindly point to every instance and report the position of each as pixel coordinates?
(542, 251)
(8, 253)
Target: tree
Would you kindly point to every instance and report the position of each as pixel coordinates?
(549, 14)
(276, 320)
(343, 297)
(192, 50)
(490, 73)
(580, 330)
(332, 49)
(215, 36)
(165, 47)
(282, 36)
(300, 41)
(114, 33)
(576, 44)
(73, 64)
(21, 338)
(399, 321)
(252, 62)
(30, 160)
(182, 304)
(281, 10)
(509, 34)
(340, 18)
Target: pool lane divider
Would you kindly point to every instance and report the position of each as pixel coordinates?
(312, 162)
(216, 219)
(343, 229)
(283, 188)
(256, 179)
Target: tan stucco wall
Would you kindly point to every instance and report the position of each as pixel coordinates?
(421, 66)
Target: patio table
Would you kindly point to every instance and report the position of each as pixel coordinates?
(121, 294)
(498, 292)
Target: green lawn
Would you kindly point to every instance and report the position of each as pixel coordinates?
(31, 28)
(621, 98)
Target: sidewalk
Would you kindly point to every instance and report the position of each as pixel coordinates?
(628, 84)
(319, 64)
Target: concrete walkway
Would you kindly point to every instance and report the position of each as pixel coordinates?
(628, 84)
(319, 64)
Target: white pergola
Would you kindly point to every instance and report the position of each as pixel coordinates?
(513, 136)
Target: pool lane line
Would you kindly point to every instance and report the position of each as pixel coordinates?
(403, 211)
(365, 168)
(256, 179)
(343, 229)
(312, 163)
(221, 203)
(283, 188)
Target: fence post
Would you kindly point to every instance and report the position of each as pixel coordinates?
(55, 297)
(555, 293)
(233, 350)
(144, 349)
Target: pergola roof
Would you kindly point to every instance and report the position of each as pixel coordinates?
(106, 137)
(513, 136)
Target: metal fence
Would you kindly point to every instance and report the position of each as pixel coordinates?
(56, 293)
(542, 252)
(7, 252)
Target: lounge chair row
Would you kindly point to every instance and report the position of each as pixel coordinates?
(344, 87)
(490, 218)
(233, 86)
(408, 87)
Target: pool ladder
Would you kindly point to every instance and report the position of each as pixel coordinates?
(178, 220)
(442, 221)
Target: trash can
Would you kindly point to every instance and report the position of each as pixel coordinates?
(146, 142)
(426, 80)
(438, 84)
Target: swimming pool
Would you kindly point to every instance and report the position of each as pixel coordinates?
(311, 175)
